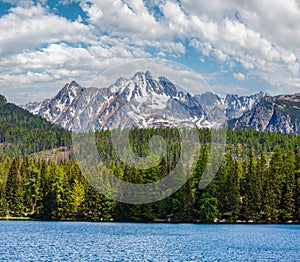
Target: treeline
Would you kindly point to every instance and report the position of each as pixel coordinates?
(23, 133)
(259, 180)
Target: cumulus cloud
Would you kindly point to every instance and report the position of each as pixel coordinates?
(23, 3)
(239, 76)
(277, 20)
(262, 37)
(25, 28)
(122, 17)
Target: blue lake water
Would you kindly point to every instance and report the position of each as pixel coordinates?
(75, 241)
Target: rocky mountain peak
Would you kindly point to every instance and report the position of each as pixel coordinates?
(120, 81)
(276, 114)
(70, 89)
(74, 84)
(169, 87)
(144, 84)
(148, 75)
(145, 100)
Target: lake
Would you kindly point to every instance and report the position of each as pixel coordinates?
(84, 241)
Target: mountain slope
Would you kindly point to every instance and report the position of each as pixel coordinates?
(232, 106)
(277, 114)
(147, 101)
(141, 101)
(237, 105)
(23, 133)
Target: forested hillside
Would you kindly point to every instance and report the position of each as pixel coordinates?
(259, 180)
(23, 133)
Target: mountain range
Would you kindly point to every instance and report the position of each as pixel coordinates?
(148, 101)
(276, 114)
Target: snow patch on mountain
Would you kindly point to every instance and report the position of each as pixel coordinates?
(142, 101)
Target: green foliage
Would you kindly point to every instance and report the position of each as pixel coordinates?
(23, 133)
(13, 190)
(77, 195)
(208, 208)
(259, 180)
(228, 178)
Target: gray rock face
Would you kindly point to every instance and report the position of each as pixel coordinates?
(236, 106)
(276, 114)
(142, 101)
(232, 106)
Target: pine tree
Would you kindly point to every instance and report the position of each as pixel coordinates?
(78, 196)
(272, 186)
(288, 190)
(3, 175)
(297, 188)
(58, 193)
(251, 191)
(45, 202)
(13, 190)
(31, 185)
(208, 208)
(261, 176)
(228, 181)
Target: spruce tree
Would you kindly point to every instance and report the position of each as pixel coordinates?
(14, 190)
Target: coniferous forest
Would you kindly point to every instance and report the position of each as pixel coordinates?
(259, 181)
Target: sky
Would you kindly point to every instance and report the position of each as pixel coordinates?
(237, 46)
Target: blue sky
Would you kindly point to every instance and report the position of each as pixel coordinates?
(237, 46)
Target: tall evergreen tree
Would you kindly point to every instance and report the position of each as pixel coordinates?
(251, 190)
(272, 186)
(14, 190)
(288, 188)
(229, 196)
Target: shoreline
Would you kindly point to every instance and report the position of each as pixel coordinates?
(146, 222)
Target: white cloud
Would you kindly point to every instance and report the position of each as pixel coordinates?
(64, 62)
(223, 90)
(122, 17)
(277, 20)
(177, 21)
(25, 28)
(206, 28)
(22, 3)
(214, 8)
(220, 55)
(262, 37)
(93, 12)
(239, 76)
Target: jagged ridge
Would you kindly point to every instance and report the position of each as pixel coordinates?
(142, 101)
(276, 114)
